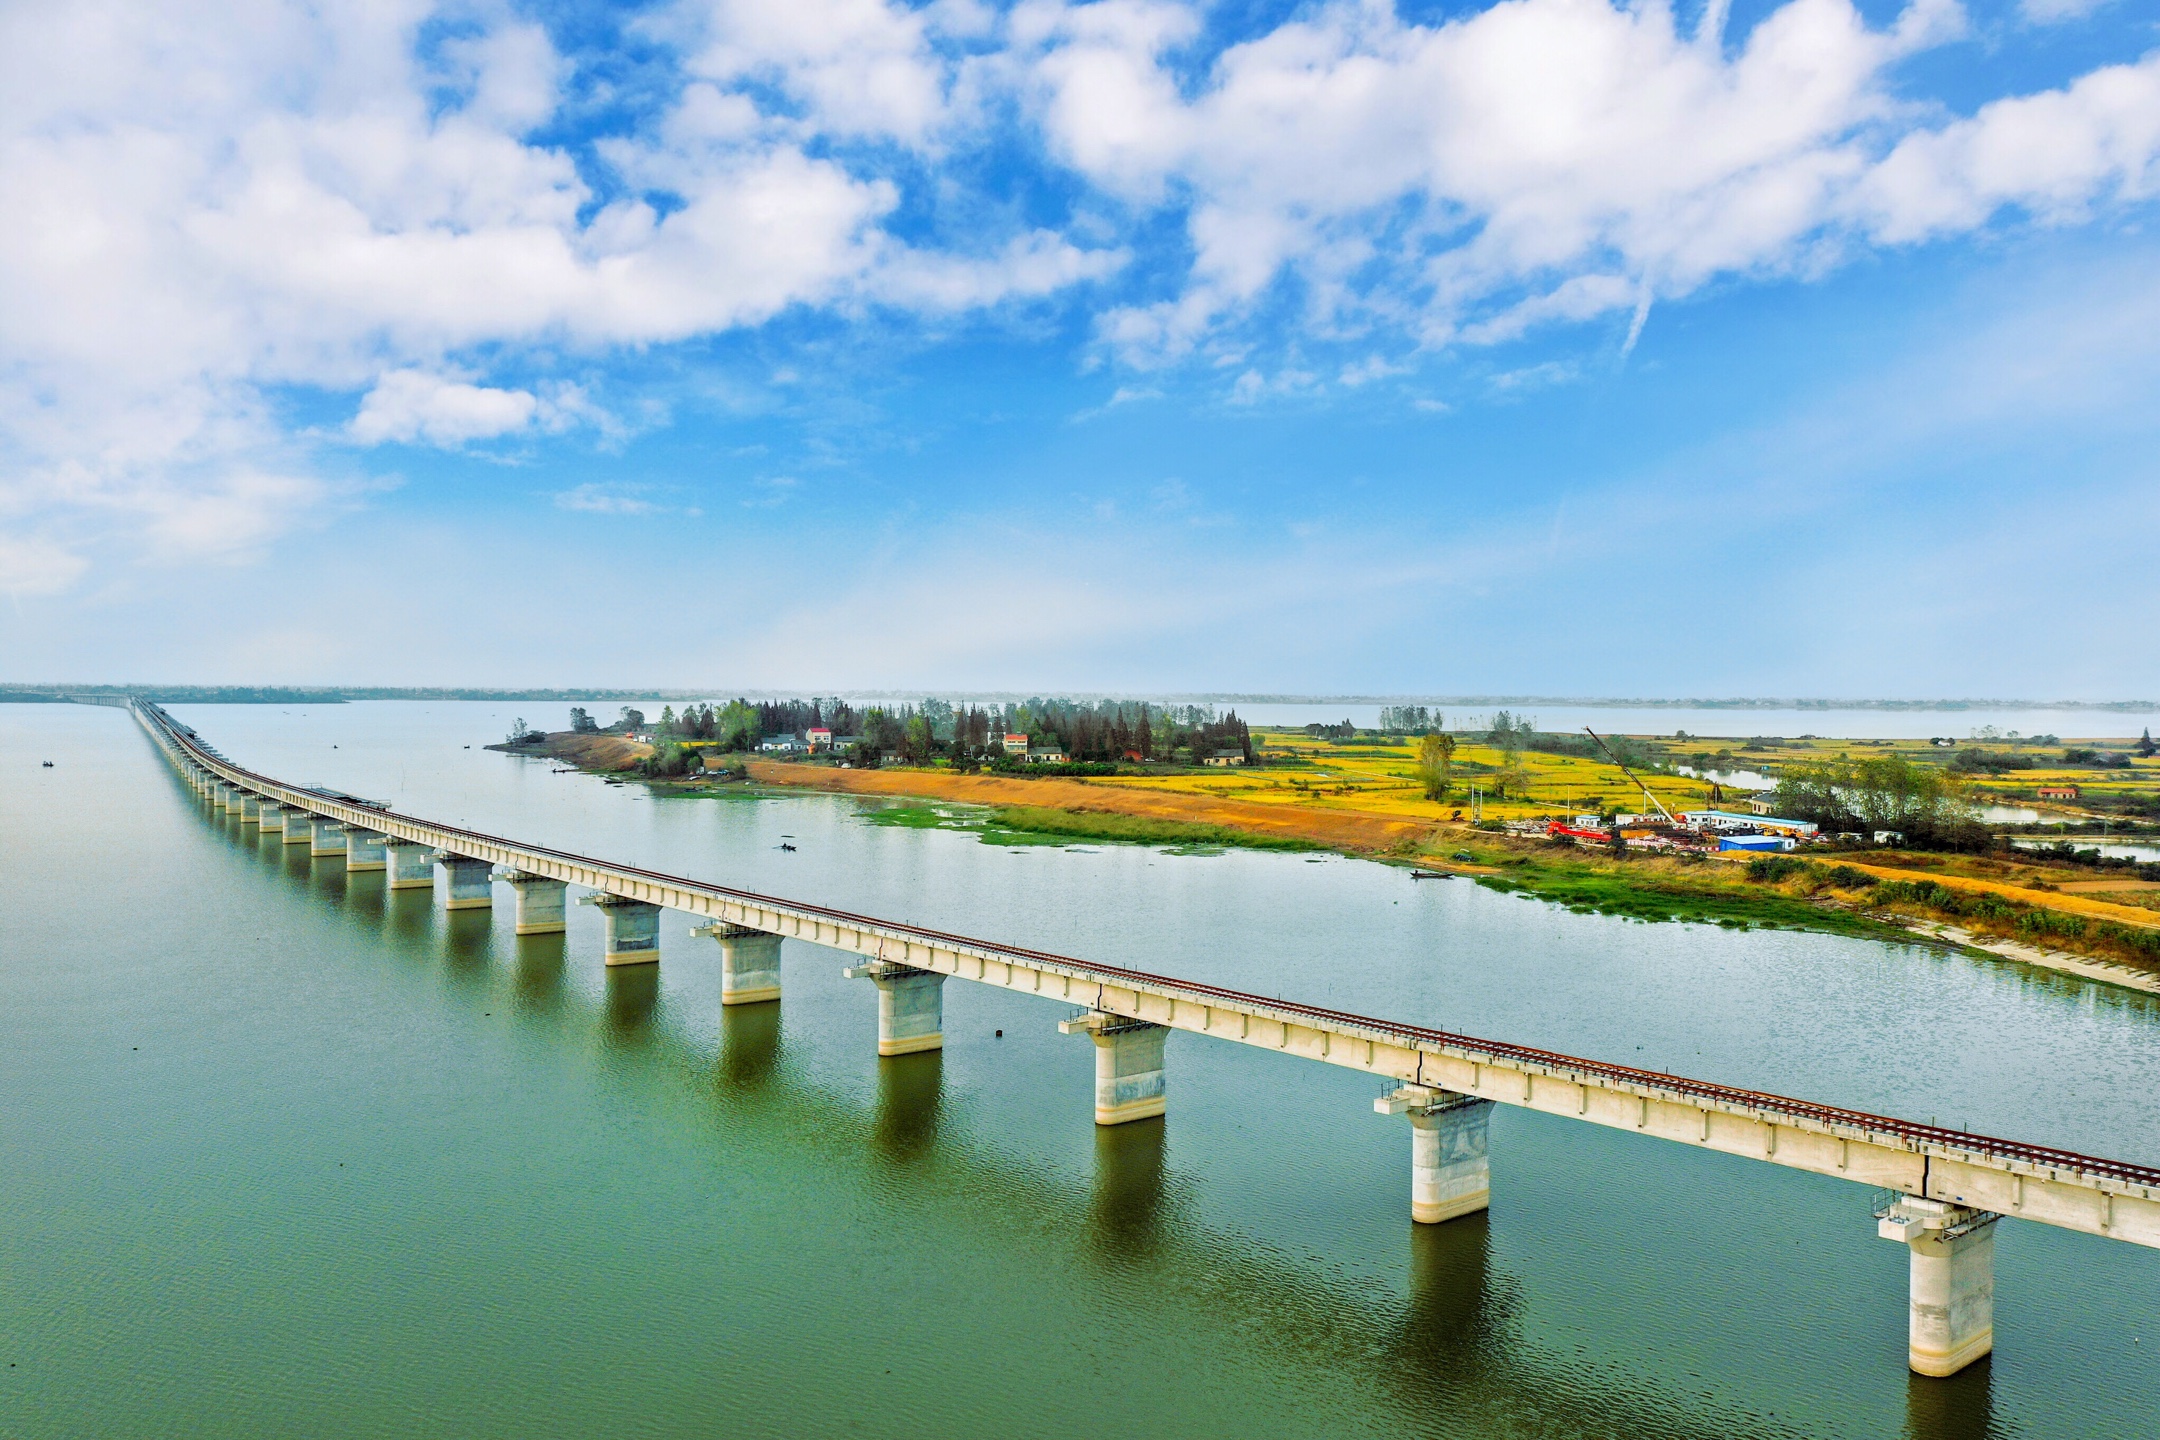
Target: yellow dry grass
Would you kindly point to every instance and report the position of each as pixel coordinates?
(2045, 899)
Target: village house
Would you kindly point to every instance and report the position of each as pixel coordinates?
(2058, 792)
(1225, 757)
(1043, 754)
(781, 745)
(819, 740)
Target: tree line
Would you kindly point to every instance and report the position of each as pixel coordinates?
(1103, 732)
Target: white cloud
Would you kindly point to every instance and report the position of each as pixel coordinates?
(858, 67)
(210, 203)
(1539, 161)
(35, 566)
(209, 200)
(2050, 12)
(2054, 154)
(597, 499)
(410, 405)
(1030, 265)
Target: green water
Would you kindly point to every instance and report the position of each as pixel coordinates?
(285, 1154)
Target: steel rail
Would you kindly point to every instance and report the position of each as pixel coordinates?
(1953, 1143)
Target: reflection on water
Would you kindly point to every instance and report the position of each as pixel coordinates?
(2112, 849)
(749, 1044)
(910, 1090)
(540, 964)
(1450, 1323)
(1739, 779)
(468, 940)
(1127, 1198)
(1961, 1407)
(633, 994)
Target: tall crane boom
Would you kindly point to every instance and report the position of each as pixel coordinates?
(1632, 776)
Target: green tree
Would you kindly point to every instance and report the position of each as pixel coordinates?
(736, 727)
(918, 741)
(1435, 758)
(2145, 746)
(580, 722)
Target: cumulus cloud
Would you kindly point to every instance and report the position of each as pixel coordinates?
(212, 204)
(855, 67)
(2055, 155)
(1537, 160)
(412, 405)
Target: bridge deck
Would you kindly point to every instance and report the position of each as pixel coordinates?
(2033, 1182)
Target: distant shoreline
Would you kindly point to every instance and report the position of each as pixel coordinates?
(345, 694)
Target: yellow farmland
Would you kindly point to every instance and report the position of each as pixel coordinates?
(1379, 777)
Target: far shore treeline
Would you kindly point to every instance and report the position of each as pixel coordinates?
(1092, 737)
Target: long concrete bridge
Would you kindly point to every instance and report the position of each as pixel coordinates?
(1944, 1190)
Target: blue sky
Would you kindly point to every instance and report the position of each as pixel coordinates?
(1557, 346)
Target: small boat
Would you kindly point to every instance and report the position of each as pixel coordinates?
(1430, 875)
(785, 846)
(48, 765)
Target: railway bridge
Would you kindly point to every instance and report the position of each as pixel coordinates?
(1942, 1191)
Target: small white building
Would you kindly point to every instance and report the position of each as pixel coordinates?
(1225, 757)
(1015, 744)
(782, 745)
(1043, 754)
(1723, 821)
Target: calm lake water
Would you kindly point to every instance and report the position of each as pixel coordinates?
(286, 1154)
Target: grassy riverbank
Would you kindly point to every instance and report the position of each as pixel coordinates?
(1036, 825)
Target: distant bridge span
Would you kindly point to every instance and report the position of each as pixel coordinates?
(1953, 1185)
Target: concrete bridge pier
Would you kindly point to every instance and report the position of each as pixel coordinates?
(270, 816)
(1128, 1065)
(250, 808)
(910, 1006)
(221, 795)
(299, 828)
(749, 963)
(1450, 1163)
(633, 929)
(329, 838)
(412, 864)
(472, 882)
(1952, 1317)
(364, 850)
(540, 902)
